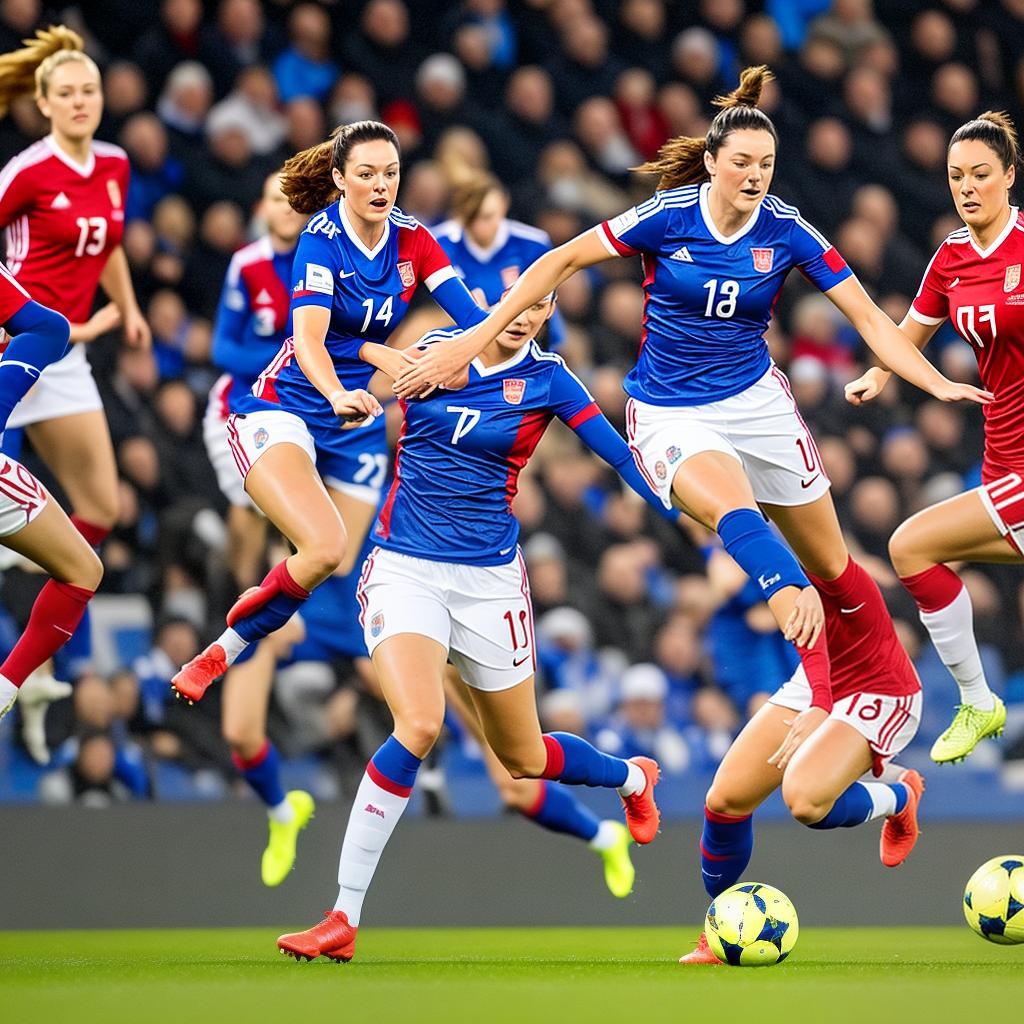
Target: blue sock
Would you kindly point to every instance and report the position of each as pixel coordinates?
(271, 617)
(862, 802)
(575, 761)
(726, 844)
(40, 337)
(761, 555)
(396, 765)
(263, 773)
(559, 811)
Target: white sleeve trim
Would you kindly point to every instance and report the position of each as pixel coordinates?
(438, 277)
(922, 319)
(605, 241)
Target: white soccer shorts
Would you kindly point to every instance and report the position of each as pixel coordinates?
(482, 615)
(22, 496)
(1004, 501)
(888, 723)
(218, 449)
(64, 388)
(761, 427)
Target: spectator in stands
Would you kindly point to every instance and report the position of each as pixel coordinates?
(253, 105)
(624, 615)
(696, 60)
(155, 173)
(239, 39)
(305, 67)
(384, 49)
(598, 128)
(639, 38)
(636, 102)
(585, 67)
(177, 38)
(353, 99)
(125, 93)
(183, 106)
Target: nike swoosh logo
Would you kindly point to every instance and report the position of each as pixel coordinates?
(807, 483)
(850, 611)
(516, 664)
(341, 277)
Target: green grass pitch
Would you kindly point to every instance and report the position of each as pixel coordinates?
(561, 975)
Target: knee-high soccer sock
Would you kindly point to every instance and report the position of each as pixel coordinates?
(576, 762)
(74, 657)
(56, 613)
(284, 597)
(380, 800)
(946, 612)
(726, 844)
(862, 802)
(559, 811)
(263, 773)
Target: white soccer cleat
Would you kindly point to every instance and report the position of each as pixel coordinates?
(37, 693)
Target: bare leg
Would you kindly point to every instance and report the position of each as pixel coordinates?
(247, 544)
(358, 517)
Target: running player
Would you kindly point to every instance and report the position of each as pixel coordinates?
(317, 479)
(253, 321)
(489, 250)
(974, 280)
(447, 581)
(62, 203)
(30, 522)
(710, 418)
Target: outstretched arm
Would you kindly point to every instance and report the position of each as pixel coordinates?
(870, 384)
(116, 280)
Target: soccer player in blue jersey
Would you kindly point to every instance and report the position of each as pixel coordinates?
(447, 581)
(253, 320)
(488, 249)
(302, 437)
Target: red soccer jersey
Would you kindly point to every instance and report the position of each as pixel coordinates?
(982, 293)
(63, 220)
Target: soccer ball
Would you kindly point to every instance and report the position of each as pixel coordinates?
(994, 900)
(751, 925)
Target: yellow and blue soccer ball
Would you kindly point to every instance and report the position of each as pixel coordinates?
(994, 900)
(751, 925)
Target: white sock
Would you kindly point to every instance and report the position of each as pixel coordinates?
(635, 780)
(375, 814)
(232, 643)
(883, 800)
(282, 812)
(952, 631)
(607, 836)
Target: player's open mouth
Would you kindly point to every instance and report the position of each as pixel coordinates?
(379, 204)
(971, 207)
(515, 334)
(752, 192)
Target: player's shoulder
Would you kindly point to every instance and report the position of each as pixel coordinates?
(682, 197)
(448, 231)
(406, 221)
(438, 334)
(540, 361)
(787, 217)
(325, 223)
(258, 251)
(39, 152)
(108, 151)
(528, 233)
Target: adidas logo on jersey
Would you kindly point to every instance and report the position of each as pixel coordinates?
(263, 299)
(60, 202)
(682, 254)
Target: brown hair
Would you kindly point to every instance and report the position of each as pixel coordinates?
(306, 177)
(996, 130)
(469, 193)
(680, 161)
(29, 69)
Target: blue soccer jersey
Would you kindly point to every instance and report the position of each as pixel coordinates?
(495, 269)
(253, 317)
(460, 454)
(709, 297)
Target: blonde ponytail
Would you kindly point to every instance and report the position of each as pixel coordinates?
(29, 69)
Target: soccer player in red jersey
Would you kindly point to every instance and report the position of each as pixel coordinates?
(62, 204)
(974, 280)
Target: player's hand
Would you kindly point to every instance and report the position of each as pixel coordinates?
(800, 728)
(136, 329)
(948, 391)
(388, 360)
(806, 620)
(441, 362)
(355, 408)
(867, 386)
(105, 319)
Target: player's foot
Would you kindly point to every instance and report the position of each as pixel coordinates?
(619, 872)
(642, 817)
(333, 937)
(900, 831)
(701, 955)
(279, 856)
(970, 725)
(193, 679)
(38, 692)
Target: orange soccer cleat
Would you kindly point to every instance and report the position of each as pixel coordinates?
(333, 938)
(642, 815)
(900, 831)
(702, 955)
(193, 679)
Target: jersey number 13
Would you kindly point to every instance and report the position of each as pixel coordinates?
(722, 296)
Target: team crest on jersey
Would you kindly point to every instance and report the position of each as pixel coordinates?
(406, 273)
(377, 624)
(673, 454)
(1012, 278)
(509, 276)
(763, 260)
(659, 470)
(114, 191)
(513, 389)
(261, 437)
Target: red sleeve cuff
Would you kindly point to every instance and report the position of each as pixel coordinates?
(620, 247)
(588, 412)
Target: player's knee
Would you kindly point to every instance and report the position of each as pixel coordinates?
(518, 794)
(324, 555)
(805, 807)
(721, 801)
(419, 733)
(243, 738)
(524, 764)
(904, 552)
(90, 573)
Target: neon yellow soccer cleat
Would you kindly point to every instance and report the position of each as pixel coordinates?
(279, 856)
(618, 868)
(969, 726)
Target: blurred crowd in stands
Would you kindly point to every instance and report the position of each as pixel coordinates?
(650, 638)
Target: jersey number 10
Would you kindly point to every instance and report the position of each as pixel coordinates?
(724, 307)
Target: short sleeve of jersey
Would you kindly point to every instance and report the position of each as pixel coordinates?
(16, 192)
(931, 304)
(640, 229)
(12, 296)
(569, 400)
(317, 262)
(816, 257)
(434, 265)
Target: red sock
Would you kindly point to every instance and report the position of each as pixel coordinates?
(816, 664)
(281, 579)
(92, 532)
(934, 589)
(55, 615)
